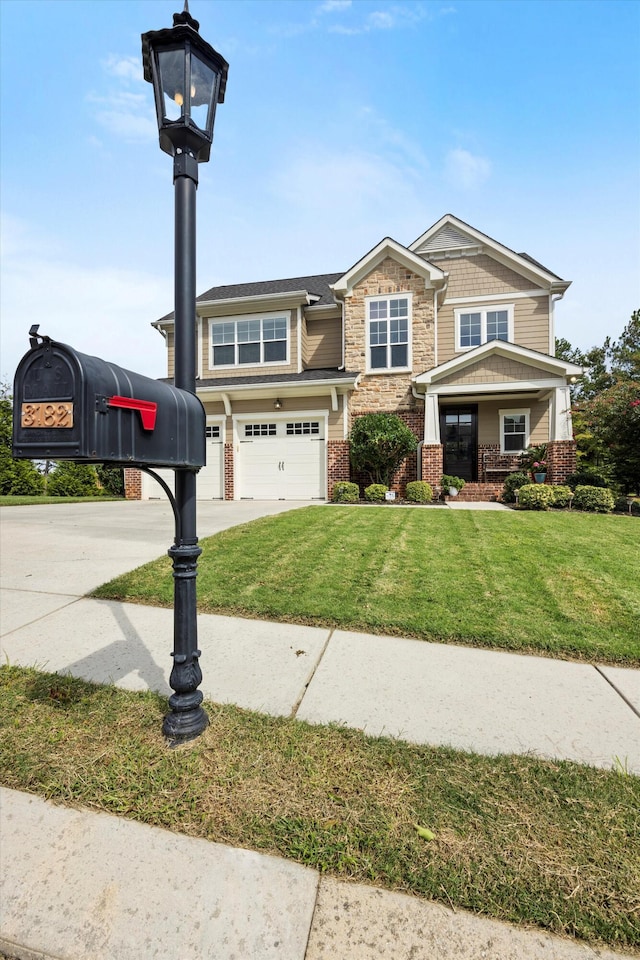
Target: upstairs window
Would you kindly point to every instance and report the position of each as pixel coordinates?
(388, 325)
(481, 325)
(249, 342)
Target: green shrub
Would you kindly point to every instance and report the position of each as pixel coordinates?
(375, 492)
(345, 492)
(562, 496)
(512, 483)
(587, 476)
(448, 481)
(627, 505)
(419, 491)
(73, 480)
(595, 499)
(535, 496)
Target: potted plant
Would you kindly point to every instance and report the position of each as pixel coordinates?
(451, 485)
(534, 459)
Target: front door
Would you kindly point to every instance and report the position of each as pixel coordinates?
(459, 433)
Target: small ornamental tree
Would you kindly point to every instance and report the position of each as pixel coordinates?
(73, 480)
(379, 444)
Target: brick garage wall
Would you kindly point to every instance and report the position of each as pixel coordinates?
(338, 465)
(561, 460)
(132, 484)
(228, 471)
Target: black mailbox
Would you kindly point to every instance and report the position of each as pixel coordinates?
(70, 406)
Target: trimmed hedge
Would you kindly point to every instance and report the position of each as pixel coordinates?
(594, 499)
(375, 492)
(345, 492)
(535, 496)
(562, 496)
(419, 491)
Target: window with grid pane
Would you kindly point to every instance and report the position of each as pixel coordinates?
(250, 341)
(514, 430)
(388, 333)
(482, 325)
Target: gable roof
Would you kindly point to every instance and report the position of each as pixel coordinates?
(433, 276)
(552, 365)
(451, 235)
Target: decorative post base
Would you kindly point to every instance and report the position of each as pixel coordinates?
(187, 719)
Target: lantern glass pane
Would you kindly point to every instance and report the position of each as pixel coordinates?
(203, 91)
(171, 68)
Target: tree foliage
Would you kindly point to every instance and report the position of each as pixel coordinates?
(606, 405)
(379, 444)
(73, 480)
(17, 477)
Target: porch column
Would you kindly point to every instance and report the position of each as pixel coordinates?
(561, 423)
(431, 418)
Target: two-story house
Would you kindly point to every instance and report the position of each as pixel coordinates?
(453, 333)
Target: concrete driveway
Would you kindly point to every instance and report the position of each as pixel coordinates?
(62, 550)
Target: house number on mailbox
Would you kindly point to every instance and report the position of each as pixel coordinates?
(47, 415)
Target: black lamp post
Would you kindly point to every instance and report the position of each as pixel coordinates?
(189, 79)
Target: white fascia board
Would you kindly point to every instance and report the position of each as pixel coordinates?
(513, 351)
(249, 391)
(270, 301)
(323, 311)
(433, 276)
(501, 253)
(496, 389)
(240, 305)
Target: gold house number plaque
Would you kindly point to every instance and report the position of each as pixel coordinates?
(47, 414)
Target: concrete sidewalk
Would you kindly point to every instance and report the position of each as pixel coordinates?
(79, 885)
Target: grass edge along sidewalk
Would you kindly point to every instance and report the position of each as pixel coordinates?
(548, 844)
(552, 584)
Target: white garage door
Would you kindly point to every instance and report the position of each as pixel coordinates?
(210, 477)
(282, 459)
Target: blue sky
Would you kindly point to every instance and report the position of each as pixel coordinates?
(345, 121)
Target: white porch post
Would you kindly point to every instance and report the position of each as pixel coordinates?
(561, 423)
(431, 418)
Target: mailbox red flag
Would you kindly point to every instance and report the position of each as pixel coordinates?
(146, 408)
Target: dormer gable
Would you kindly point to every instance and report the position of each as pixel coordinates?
(433, 276)
(450, 237)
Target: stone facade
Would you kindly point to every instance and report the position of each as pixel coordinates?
(381, 391)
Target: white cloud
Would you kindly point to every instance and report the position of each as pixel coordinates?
(104, 311)
(465, 169)
(333, 6)
(126, 68)
(125, 109)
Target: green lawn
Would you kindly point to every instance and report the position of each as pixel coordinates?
(552, 844)
(561, 584)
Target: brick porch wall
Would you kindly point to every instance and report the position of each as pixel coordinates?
(561, 460)
(432, 459)
(132, 484)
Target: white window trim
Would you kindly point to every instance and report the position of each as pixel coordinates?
(483, 309)
(526, 411)
(385, 371)
(281, 315)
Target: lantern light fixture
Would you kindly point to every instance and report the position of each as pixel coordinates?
(189, 79)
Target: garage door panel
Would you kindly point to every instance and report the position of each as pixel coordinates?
(282, 459)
